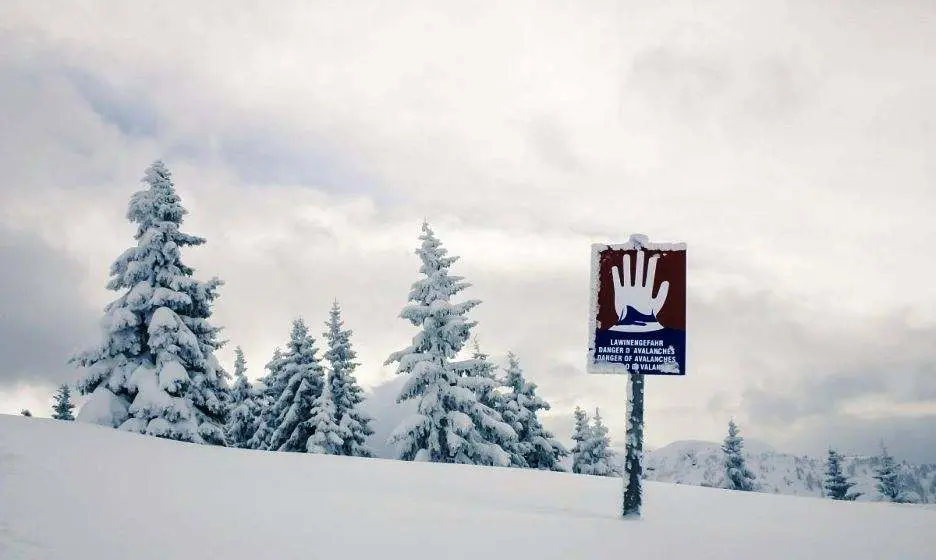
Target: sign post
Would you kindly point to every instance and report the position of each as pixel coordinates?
(638, 328)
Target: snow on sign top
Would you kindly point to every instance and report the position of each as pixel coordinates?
(637, 318)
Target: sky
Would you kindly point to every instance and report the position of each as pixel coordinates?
(790, 145)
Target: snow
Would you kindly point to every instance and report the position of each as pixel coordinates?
(211, 502)
(118, 318)
(150, 399)
(104, 408)
(163, 296)
(460, 422)
(163, 319)
(172, 376)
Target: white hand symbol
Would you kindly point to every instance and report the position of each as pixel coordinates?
(638, 296)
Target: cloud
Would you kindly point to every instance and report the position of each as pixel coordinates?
(130, 109)
(43, 320)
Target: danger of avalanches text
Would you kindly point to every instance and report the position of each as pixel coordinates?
(645, 355)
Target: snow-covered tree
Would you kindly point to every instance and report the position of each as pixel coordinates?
(887, 474)
(480, 376)
(449, 423)
(346, 394)
(155, 371)
(597, 456)
(268, 390)
(62, 407)
(305, 382)
(580, 434)
(540, 450)
(25, 412)
(837, 485)
(242, 422)
(328, 436)
(737, 474)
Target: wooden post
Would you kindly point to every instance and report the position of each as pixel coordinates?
(633, 459)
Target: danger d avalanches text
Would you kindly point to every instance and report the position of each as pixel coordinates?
(643, 354)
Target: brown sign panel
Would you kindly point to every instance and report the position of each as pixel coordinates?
(638, 308)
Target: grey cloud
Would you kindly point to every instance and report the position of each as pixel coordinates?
(778, 88)
(817, 394)
(677, 80)
(83, 115)
(263, 155)
(43, 318)
(256, 151)
(551, 142)
(766, 407)
(808, 410)
(52, 137)
(130, 109)
(907, 439)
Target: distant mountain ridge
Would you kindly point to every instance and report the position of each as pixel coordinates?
(700, 463)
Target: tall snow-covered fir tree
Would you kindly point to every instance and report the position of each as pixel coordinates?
(540, 450)
(737, 474)
(242, 422)
(597, 456)
(580, 433)
(837, 486)
(346, 395)
(62, 407)
(155, 372)
(305, 380)
(449, 425)
(887, 474)
(267, 391)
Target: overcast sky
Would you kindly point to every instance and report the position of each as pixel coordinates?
(791, 145)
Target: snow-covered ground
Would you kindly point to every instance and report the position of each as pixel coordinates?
(75, 491)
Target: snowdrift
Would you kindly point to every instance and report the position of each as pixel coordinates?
(75, 491)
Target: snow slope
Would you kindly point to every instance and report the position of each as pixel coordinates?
(701, 463)
(70, 490)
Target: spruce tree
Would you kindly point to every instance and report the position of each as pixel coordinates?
(597, 456)
(155, 371)
(328, 436)
(737, 475)
(887, 474)
(242, 423)
(346, 394)
(268, 390)
(540, 450)
(480, 375)
(305, 382)
(62, 408)
(580, 433)
(449, 420)
(837, 485)
(25, 412)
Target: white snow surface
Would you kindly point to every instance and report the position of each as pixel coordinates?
(76, 491)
